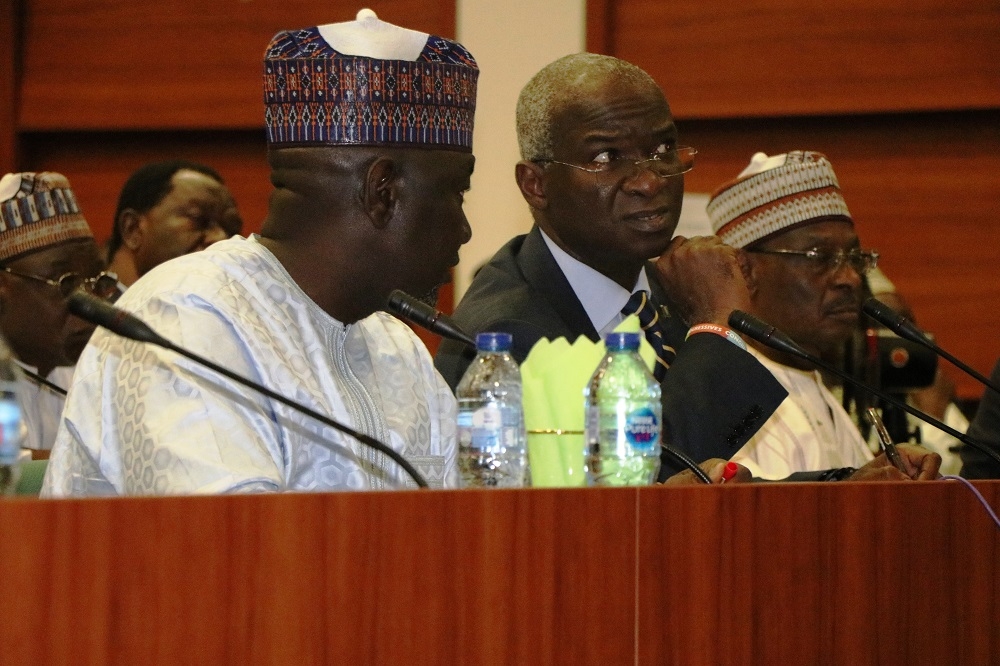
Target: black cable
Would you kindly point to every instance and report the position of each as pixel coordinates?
(44, 382)
(685, 460)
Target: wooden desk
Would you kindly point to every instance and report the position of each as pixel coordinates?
(758, 574)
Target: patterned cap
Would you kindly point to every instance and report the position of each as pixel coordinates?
(37, 210)
(774, 194)
(367, 82)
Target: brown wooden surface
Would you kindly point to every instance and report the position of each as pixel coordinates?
(785, 57)
(924, 190)
(9, 24)
(759, 574)
(841, 573)
(184, 64)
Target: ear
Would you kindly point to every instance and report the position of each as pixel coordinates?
(531, 181)
(379, 191)
(130, 223)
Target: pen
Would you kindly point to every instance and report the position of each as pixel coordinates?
(729, 472)
(884, 440)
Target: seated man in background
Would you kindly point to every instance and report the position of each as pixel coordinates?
(46, 251)
(165, 210)
(804, 269)
(363, 204)
(603, 173)
(985, 428)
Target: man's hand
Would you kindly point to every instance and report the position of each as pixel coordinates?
(921, 465)
(714, 468)
(704, 279)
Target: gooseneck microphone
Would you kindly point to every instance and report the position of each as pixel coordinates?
(905, 328)
(403, 305)
(116, 320)
(768, 335)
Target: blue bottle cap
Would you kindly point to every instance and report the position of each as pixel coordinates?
(494, 342)
(622, 341)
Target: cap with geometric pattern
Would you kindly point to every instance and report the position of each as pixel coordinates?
(774, 194)
(37, 210)
(367, 82)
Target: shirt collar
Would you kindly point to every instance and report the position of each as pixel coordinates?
(601, 297)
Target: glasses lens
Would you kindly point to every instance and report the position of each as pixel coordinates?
(859, 260)
(673, 163)
(69, 283)
(104, 286)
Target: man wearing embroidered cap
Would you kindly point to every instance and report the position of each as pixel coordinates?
(46, 251)
(369, 130)
(805, 267)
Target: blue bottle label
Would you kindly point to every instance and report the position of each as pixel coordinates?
(642, 430)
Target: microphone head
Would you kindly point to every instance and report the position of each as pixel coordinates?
(766, 334)
(894, 321)
(97, 311)
(879, 311)
(420, 313)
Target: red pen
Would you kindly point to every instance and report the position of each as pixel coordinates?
(729, 472)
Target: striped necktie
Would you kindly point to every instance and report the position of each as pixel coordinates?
(649, 318)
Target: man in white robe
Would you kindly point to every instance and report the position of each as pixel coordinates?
(804, 267)
(363, 204)
(46, 251)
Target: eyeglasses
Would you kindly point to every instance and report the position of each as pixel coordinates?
(613, 169)
(829, 261)
(104, 285)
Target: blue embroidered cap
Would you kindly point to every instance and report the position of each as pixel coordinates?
(367, 82)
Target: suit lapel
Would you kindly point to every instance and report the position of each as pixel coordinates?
(544, 275)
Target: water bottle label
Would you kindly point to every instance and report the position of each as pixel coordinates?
(10, 430)
(642, 430)
(488, 417)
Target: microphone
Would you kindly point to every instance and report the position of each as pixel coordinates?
(403, 305)
(768, 335)
(905, 328)
(116, 320)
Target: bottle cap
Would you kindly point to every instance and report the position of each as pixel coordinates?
(622, 341)
(494, 342)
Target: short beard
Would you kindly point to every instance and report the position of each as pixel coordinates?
(431, 297)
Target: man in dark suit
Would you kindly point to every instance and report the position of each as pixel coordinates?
(603, 175)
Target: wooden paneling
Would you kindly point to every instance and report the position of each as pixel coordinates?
(182, 64)
(924, 190)
(785, 57)
(758, 574)
(98, 163)
(9, 43)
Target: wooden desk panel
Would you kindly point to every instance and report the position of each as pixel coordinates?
(761, 574)
(819, 573)
(446, 577)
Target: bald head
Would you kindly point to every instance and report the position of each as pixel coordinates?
(556, 87)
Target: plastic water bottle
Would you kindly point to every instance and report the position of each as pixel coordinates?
(623, 417)
(491, 435)
(11, 426)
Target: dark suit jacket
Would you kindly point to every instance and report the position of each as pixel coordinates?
(715, 395)
(985, 428)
